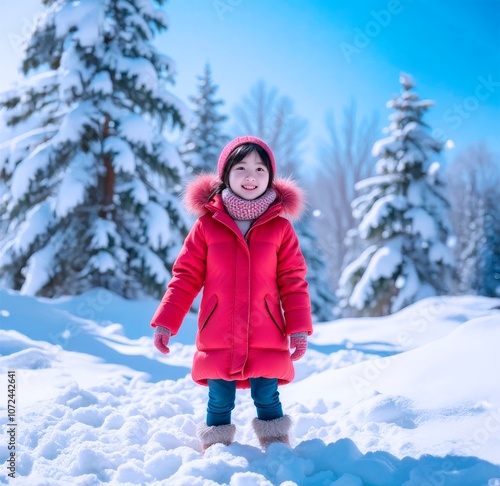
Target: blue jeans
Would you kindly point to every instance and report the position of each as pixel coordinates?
(221, 396)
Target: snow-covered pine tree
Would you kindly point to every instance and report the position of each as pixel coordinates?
(205, 136)
(403, 218)
(90, 175)
(474, 191)
(489, 270)
(324, 304)
(489, 265)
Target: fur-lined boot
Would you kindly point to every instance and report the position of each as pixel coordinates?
(215, 434)
(269, 431)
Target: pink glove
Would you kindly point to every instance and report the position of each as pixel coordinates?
(161, 338)
(298, 340)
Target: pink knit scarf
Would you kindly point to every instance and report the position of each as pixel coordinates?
(242, 210)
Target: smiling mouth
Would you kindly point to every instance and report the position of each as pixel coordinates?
(249, 188)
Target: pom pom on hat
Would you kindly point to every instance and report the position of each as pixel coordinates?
(226, 151)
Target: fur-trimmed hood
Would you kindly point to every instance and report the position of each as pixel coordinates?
(197, 195)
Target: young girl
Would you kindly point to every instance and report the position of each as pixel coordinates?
(245, 255)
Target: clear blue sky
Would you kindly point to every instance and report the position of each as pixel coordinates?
(324, 53)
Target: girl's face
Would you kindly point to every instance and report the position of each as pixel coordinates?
(249, 178)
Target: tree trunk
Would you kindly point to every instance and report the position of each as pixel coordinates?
(107, 210)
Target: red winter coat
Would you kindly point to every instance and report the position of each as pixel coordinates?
(254, 289)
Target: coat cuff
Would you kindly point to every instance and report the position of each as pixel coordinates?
(299, 320)
(170, 317)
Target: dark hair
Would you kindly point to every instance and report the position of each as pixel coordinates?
(236, 156)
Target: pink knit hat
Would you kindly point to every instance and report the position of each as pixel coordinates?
(226, 151)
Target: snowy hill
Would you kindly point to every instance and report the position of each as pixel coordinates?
(409, 399)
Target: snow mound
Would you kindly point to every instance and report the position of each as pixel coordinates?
(425, 414)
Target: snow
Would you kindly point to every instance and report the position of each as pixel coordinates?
(103, 232)
(137, 190)
(158, 226)
(17, 145)
(37, 221)
(70, 84)
(169, 157)
(406, 80)
(363, 184)
(386, 146)
(123, 156)
(42, 81)
(145, 74)
(171, 100)
(423, 223)
(134, 128)
(73, 124)
(440, 253)
(383, 264)
(79, 175)
(409, 399)
(39, 269)
(28, 170)
(409, 285)
(380, 211)
(101, 83)
(82, 19)
(155, 265)
(103, 261)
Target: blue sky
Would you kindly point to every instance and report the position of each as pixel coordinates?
(323, 54)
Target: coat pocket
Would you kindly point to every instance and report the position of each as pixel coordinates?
(275, 312)
(206, 311)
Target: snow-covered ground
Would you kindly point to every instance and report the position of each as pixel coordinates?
(409, 399)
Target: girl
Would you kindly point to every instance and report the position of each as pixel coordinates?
(246, 256)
